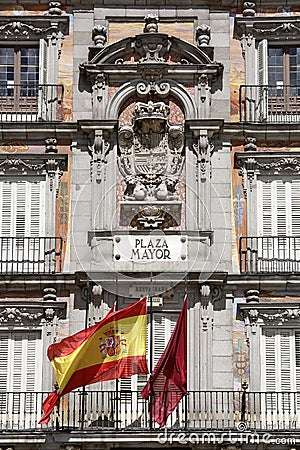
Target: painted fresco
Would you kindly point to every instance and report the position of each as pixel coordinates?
(121, 30)
(240, 349)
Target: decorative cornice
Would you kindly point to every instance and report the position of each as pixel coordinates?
(16, 313)
(269, 314)
(273, 28)
(50, 164)
(271, 162)
(20, 27)
(25, 164)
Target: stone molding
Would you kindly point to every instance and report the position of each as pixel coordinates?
(269, 314)
(51, 164)
(31, 313)
(33, 27)
(254, 163)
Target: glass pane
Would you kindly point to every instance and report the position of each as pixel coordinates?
(275, 66)
(7, 56)
(29, 70)
(294, 66)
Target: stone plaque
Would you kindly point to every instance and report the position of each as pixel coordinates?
(144, 249)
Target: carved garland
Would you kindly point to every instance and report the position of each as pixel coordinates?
(283, 316)
(249, 166)
(26, 316)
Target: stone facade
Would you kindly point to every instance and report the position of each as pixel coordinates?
(132, 168)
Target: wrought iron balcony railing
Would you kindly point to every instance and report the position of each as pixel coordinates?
(279, 103)
(31, 102)
(214, 411)
(270, 254)
(26, 255)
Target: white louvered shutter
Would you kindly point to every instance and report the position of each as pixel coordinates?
(20, 361)
(281, 360)
(262, 62)
(43, 60)
(22, 208)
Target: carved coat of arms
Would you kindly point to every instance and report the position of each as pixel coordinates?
(151, 154)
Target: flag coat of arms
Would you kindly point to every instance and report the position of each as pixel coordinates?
(112, 349)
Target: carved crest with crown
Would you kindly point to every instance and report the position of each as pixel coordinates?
(151, 154)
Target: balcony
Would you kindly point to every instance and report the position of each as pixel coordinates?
(270, 104)
(270, 254)
(31, 102)
(101, 411)
(30, 255)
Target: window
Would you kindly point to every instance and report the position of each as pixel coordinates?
(284, 66)
(20, 377)
(281, 373)
(278, 222)
(19, 76)
(22, 207)
(22, 222)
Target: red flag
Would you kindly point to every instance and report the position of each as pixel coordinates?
(169, 379)
(114, 348)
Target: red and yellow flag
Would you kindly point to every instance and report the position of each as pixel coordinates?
(114, 348)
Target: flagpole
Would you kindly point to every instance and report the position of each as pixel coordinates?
(151, 346)
(117, 381)
(186, 397)
(87, 303)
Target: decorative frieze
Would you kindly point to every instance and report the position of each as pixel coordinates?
(27, 27)
(30, 315)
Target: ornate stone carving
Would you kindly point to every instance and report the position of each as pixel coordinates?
(49, 294)
(249, 9)
(30, 164)
(286, 28)
(151, 24)
(151, 157)
(151, 47)
(99, 35)
(21, 29)
(203, 150)
(252, 296)
(51, 145)
(286, 315)
(250, 144)
(28, 316)
(203, 35)
(161, 88)
(99, 147)
(283, 164)
(55, 8)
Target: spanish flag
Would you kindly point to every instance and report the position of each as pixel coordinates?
(114, 348)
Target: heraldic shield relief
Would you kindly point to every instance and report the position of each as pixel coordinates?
(151, 157)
